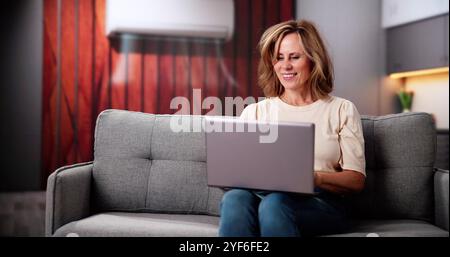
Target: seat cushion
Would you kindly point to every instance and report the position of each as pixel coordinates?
(394, 228)
(122, 224)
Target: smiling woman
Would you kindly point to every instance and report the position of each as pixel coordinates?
(291, 54)
(296, 75)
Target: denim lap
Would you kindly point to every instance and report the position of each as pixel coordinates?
(276, 216)
(246, 213)
(239, 214)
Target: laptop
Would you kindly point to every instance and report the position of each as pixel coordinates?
(260, 155)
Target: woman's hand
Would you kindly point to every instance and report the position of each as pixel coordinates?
(317, 179)
(344, 182)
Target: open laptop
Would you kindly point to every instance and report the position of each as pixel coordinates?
(244, 154)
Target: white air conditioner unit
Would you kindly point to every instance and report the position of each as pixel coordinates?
(180, 18)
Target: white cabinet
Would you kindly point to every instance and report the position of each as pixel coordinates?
(398, 12)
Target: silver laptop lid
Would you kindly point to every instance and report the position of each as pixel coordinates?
(260, 155)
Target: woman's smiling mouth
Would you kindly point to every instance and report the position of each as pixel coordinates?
(288, 76)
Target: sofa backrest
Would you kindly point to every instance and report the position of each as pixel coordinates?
(400, 150)
(140, 164)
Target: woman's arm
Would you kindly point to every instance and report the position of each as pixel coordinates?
(344, 182)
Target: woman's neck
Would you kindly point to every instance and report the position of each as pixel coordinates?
(297, 98)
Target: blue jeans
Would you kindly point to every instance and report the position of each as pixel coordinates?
(247, 213)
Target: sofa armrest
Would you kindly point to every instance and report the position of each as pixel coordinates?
(67, 196)
(441, 198)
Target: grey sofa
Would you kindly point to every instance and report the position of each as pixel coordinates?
(146, 180)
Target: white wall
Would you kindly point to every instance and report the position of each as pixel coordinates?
(431, 94)
(355, 39)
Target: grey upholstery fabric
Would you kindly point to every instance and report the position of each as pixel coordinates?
(442, 149)
(68, 195)
(441, 197)
(121, 159)
(177, 225)
(177, 186)
(393, 228)
(400, 150)
(142, 224)
(140, 164)
(180, 146)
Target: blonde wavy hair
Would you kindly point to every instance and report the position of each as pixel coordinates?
(321, 77)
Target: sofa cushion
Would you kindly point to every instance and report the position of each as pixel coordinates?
(400, 151)
(140, 164)
(393, 228)
(167, 144)
(121, 224)
(180, 187)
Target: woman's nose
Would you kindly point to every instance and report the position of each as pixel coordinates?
(287, 64)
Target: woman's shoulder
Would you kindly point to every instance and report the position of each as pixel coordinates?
(267, 101)
(340, 103)
(252, 111)
(345, 108)
(263, 103)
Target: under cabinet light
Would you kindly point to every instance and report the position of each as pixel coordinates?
(418, 73)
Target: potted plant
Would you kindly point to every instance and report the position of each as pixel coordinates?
(405, 99)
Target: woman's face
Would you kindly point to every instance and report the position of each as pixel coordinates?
(292, 66)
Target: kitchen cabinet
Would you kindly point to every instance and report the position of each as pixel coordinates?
(418, 45)
(398, 12)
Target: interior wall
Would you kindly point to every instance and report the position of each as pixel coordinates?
(431, 95)
(354, 37)
(20, 99)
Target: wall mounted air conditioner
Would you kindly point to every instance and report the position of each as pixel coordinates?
(179, 18)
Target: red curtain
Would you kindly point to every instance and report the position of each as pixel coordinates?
(85, 72)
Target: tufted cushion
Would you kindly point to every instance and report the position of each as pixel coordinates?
(141, 165)
(400, 150)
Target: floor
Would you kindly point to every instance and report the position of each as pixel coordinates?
(22, 214)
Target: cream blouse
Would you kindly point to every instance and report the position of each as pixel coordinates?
(339, 141)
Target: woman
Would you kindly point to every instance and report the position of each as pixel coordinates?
(296, 75)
